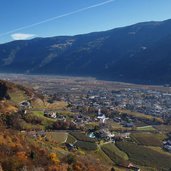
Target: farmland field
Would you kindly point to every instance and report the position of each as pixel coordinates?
(160, 150)
(148, 139)
(102, 156)
(163, 128)
(140, 115)
(82, 137)
(71, 139)
(146, 128)
(144, 156)
(58, 137)
(86, 145)
(114, 153)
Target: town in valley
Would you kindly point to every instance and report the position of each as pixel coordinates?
(98, 115)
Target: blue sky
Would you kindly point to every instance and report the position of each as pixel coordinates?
(15, 14)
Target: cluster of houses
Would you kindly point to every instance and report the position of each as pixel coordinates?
(24, 106)
(145, 101)
(126, 121)
(108, 136)
(36, 134)
(81, 119)
(50, 114)
(54, 115)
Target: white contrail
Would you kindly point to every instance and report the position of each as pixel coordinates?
(56, 17)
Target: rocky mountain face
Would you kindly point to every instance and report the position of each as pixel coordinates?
(139, 53)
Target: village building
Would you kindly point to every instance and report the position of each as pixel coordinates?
(50, 114)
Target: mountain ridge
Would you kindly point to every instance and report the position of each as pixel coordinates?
(137, 53)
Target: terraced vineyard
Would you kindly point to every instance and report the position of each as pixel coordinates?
(86, 145)
(115, 154)
(148, 139)
(82, 141)
(145, 156)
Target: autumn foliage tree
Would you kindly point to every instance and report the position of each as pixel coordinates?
(64, 125)
(22, 155)
(53, 157)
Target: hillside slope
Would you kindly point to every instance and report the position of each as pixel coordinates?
(139, 53)
(27, 143)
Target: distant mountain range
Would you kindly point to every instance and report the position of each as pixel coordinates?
(139, 53)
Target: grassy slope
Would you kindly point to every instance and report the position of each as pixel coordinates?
(18, 96)
(7, 107)
(41, 145)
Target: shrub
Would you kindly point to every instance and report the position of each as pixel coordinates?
(70, 159)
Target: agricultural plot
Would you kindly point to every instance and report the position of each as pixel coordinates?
(70, 139)
(160, 150)
(102, 156)
(148, 139)
(145, 156)
(115, 154)
(86, 145)
(82, 141)
(117, 127)
(140, 115)
(146, 128)
(163, 128)
(57, 137)
(82, 137)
